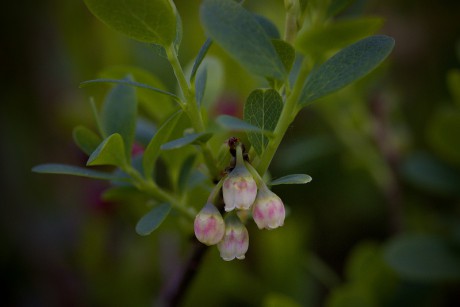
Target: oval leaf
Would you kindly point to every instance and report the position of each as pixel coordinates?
(292, 179)
(286, 53)
(110, 152)
(119, 113)
(262, 109)
(152, 94)
(423, 258)
(86, 139)
(192, 138)
(152, 151)
(152, 220)
(269, 27)
(152, 21)
(242, 36)
(236, 124)
(431, 175)
(63, 169)
(348, 65)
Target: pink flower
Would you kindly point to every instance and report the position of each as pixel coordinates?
(268, 210)
(209, 225)
(236, 239)
(239, 189)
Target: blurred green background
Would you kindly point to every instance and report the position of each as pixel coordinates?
(379, 225)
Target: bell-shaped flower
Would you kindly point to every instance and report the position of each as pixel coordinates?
(209, 225)
(268, 209)
(239, 188)
(236, 239)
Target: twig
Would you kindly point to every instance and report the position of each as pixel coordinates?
(176, 288)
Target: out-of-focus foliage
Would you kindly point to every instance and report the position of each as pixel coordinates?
(378, 225)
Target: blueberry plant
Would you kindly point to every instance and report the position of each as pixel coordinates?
(315, 57)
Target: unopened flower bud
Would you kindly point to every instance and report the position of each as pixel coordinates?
(209, 225)
(236, 239)
(268, 210)
(239, 189)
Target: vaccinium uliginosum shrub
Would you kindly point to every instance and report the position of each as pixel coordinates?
(294, 70)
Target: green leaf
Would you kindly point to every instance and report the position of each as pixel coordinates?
(269, 27)
(337, 6)
(285, 52)
(241, 35)
(110, 152)
(154, 100)
(236, 124)
(96, 116)
(346, 66)
(63, 169)
(431, 175)
(199, 58)
(192, 138)
(185, 171)
(152, 151)
(453, 80)
(292, 179)
(200, 84)
(179, 32)
(443, 134)
(262, 109)
(152, 21)
(423, 257)
(276, 300)
(119, 114)
(131, 83)
(152, 220)
(86, 139)
(333, 36)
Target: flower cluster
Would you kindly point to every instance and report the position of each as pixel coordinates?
(243, 191)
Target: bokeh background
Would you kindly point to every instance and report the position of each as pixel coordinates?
(379, 225)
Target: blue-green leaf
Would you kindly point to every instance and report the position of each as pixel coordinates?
(292, 179)
(262, 109)
(153, 219)
(192, 138)
(199, 58)
(152, 21)
(110, 152)
(63, 169)
(269, 27)
(423, 257)
(131, 83)
(348, 65)
(285, 52)
(86, 139)
(185, 171)
(200, 84)
(235, 124)
(241, 35)
(152, 151)
(119, 113)
(154, 100)
(431, 175)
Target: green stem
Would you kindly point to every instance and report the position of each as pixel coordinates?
(190, 107)
(158, 193)
(287, 116)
